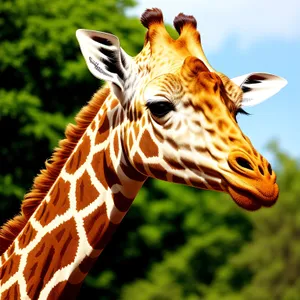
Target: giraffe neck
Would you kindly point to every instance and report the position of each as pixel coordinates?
(69, 229)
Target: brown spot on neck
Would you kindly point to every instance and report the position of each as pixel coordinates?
(79, 157)
(103, 131)
(86, 193)
(104, 169)
(12, 293)
(27, 236)
(99, 229)
(59, 203)
(10, 267)
(56, 250)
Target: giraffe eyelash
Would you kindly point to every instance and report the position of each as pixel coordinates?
(241, 111)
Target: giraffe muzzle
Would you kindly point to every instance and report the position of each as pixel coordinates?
(251, 182)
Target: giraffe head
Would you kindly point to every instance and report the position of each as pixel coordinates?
(180, 114)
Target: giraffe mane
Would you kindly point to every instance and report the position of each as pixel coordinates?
(43, 182)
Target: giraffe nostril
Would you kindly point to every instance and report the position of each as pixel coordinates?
(244, 163)
(270, 169)
(261, 170)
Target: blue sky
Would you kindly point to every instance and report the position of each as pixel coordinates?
(242, 36)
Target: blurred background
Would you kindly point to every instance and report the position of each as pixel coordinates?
(176, 242)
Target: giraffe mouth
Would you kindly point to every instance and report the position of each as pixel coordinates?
(252, 201)
(252, 198)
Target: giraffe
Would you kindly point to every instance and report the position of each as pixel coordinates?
(165, 113)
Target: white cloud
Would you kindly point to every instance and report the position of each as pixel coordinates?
(247, 20)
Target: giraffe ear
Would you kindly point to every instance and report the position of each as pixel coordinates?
(104, 57)
(258, 87)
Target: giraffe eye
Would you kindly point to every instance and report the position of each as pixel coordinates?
(160, 108)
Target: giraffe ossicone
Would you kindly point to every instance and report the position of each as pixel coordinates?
(165, 113)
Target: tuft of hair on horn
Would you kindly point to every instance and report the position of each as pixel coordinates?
(152, 16)
(182, 20)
